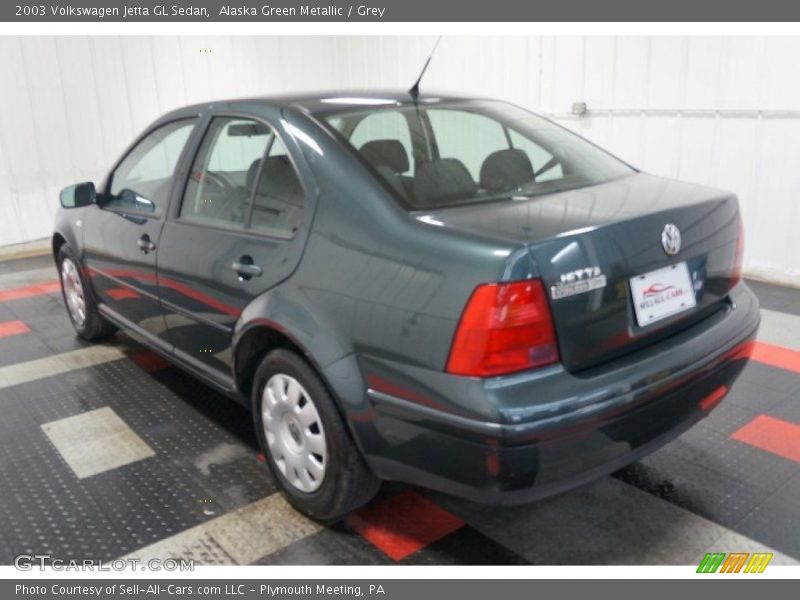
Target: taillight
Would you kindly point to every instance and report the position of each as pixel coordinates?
(739, 259)
(505, 327)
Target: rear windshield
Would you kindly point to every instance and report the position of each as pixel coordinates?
(436, 155)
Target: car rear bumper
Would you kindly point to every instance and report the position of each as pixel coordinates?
(517, 438)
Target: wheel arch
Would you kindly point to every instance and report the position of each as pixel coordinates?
(253, 343)
(57, 241)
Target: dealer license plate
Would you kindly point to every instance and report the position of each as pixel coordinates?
(662, 293)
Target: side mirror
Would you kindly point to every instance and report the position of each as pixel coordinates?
(78, 195)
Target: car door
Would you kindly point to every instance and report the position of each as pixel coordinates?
(238, 231)
(122, 231)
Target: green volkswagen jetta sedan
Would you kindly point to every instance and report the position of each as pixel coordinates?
(450, 292)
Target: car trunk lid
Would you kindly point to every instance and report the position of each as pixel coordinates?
(599, 252)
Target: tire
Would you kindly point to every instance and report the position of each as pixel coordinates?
(83, 315)
(346, 483)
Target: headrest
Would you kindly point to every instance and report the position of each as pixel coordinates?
(386, 153)
(442, 180)
(506, 170)
(279, 180)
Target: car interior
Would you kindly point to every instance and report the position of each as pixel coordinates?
(443, 157)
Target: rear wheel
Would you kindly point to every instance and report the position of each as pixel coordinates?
(307, 446)
(79, 300)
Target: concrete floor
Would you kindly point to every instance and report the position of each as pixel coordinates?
(109, 451)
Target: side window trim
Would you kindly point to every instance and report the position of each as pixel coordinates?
(196, 147)
(158, 214)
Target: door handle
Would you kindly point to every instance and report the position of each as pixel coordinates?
(245, 268)
(145, 244)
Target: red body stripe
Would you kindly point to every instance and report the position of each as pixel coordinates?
(183, 289)
(773, 435)
(122, 293)
(9, 328)
(47, 287)
(404, 523)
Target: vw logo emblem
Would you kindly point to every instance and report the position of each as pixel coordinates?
(671, 239)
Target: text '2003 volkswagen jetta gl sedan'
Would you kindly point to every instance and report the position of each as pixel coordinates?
(451, 292)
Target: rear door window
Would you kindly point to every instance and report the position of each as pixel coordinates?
(243, 177)
(223, 176)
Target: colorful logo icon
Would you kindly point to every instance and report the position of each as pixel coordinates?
(734, 562)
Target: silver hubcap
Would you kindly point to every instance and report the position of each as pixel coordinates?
(294, 432)
(73, 291)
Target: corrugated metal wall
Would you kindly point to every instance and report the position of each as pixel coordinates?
(723, 111)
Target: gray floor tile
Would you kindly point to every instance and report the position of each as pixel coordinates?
(776, 521)
(608, 522)
(752, 396)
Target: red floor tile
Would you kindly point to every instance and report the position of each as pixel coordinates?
(773, 435)
(9, 328)
(150, 361)
(404, 523)
(777, 356)
(47, 287)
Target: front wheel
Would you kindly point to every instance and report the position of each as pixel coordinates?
(78, 298)
(308, 448)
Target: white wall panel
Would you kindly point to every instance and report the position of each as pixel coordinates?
(699, 108)
(630, 73)
(598, 75)
(21, 150)
(666, 85)
(49, 132)
(661, 138)
(115, 117)
(740, 81)
(780, 65)
(704, 72)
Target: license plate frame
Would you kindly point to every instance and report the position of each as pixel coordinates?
(662, 293)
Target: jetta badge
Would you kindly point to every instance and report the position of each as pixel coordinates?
(671, 239)
(579, 281)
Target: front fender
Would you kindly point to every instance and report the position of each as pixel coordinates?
(69, 227)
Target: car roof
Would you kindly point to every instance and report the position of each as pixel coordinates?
(322, 102)
(336, 100)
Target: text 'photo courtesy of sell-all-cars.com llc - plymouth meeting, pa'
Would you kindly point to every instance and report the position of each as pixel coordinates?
(451, 292)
